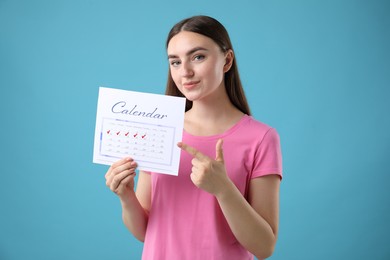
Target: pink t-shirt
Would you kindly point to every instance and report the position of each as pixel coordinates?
(186, 222)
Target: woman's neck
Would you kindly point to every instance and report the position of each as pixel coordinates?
(211, 118)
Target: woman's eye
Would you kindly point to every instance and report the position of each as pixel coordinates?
(175, 63)
(199, 57)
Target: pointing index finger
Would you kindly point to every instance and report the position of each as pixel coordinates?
(191, 150)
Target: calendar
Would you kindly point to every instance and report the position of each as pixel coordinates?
(143, 126)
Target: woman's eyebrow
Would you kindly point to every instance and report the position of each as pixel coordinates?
(173, 56)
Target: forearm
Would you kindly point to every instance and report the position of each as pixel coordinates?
(134, 216)
(250, 228)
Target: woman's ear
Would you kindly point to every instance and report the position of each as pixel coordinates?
(229, 57)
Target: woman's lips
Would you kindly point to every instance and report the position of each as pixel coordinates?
(190, 84)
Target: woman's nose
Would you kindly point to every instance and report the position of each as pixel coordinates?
(186, 70)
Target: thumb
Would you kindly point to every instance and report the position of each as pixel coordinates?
(219, 151)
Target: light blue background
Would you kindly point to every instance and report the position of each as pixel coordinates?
(318, 71)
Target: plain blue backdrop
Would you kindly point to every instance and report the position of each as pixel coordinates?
(317, 71)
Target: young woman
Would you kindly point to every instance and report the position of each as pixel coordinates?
(224, 204)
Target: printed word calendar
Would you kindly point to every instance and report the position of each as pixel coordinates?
(143, 126)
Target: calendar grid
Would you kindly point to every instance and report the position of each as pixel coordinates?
(142, 142)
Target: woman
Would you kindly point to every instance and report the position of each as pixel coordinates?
(224, 204)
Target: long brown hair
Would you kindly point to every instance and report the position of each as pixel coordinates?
(213, 29)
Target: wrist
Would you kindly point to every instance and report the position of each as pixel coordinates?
(227, 191)
(127, 198)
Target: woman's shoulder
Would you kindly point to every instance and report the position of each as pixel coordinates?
(254, 131)
(250, 123)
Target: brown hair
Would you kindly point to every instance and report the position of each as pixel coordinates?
(213, 29)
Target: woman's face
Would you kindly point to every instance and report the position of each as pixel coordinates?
(197, 65)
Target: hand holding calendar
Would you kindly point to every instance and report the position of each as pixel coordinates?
(143, 126)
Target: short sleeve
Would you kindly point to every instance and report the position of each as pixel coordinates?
(268, 156)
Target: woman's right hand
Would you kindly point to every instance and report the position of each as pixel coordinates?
(120, 176)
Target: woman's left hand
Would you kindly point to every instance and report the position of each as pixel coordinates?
(208, 174)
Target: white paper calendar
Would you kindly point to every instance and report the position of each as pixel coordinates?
(143, 126)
